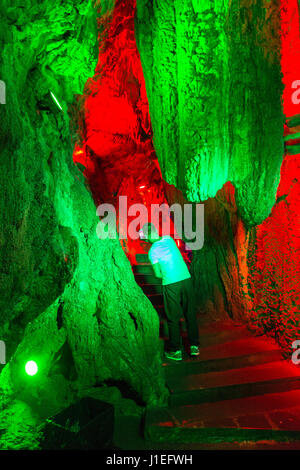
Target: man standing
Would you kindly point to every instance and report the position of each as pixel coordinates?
(169, 265)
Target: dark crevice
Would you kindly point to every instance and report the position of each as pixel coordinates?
(134, 320)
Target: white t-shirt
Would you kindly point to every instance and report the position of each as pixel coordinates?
(171, 263)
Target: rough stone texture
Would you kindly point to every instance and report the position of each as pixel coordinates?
(208, 70)
(116, 134)
(274, 263)
(214, 82)
(274, 246)
(119, 158)
(61, 287)
(208, 67)
(220, 268)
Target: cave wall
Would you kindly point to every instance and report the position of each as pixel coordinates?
(219, 81)
(213, 81)
(58, 281)
(220, 268)
(218, 127)
(119, 156)
(60, 285)
(274, 246)
(274, 263)
(116, 139)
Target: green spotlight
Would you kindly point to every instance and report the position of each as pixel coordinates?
(31, 368)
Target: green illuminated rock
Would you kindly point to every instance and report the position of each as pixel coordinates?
(213, 79)
(61, 288)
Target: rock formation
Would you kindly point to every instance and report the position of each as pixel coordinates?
(67, 297)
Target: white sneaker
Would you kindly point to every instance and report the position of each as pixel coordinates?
(174, 355)
(194, 351)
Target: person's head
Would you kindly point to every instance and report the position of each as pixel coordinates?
(150, 233)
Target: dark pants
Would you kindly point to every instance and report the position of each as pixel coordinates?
(179, 300)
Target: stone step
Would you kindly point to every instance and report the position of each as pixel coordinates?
(142, 258)
(234, 376)
(151, 288)
(280, 376)
(220, 335)
(145, 268)
(163, 333)
(191, 366)
(231, 349)
(156, 299)
(224, 347)
(272, 417)
(292, 149)
(211, 340)
(146, 278)
(293, 121)
(128, 436)
(161, 313)
(234, 347)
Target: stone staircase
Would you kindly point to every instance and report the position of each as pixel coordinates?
(151, 286)
(239, 394)
(239, 391)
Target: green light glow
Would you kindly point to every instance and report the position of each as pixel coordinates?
(292, 136)
(56, 101)
(31, 368)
